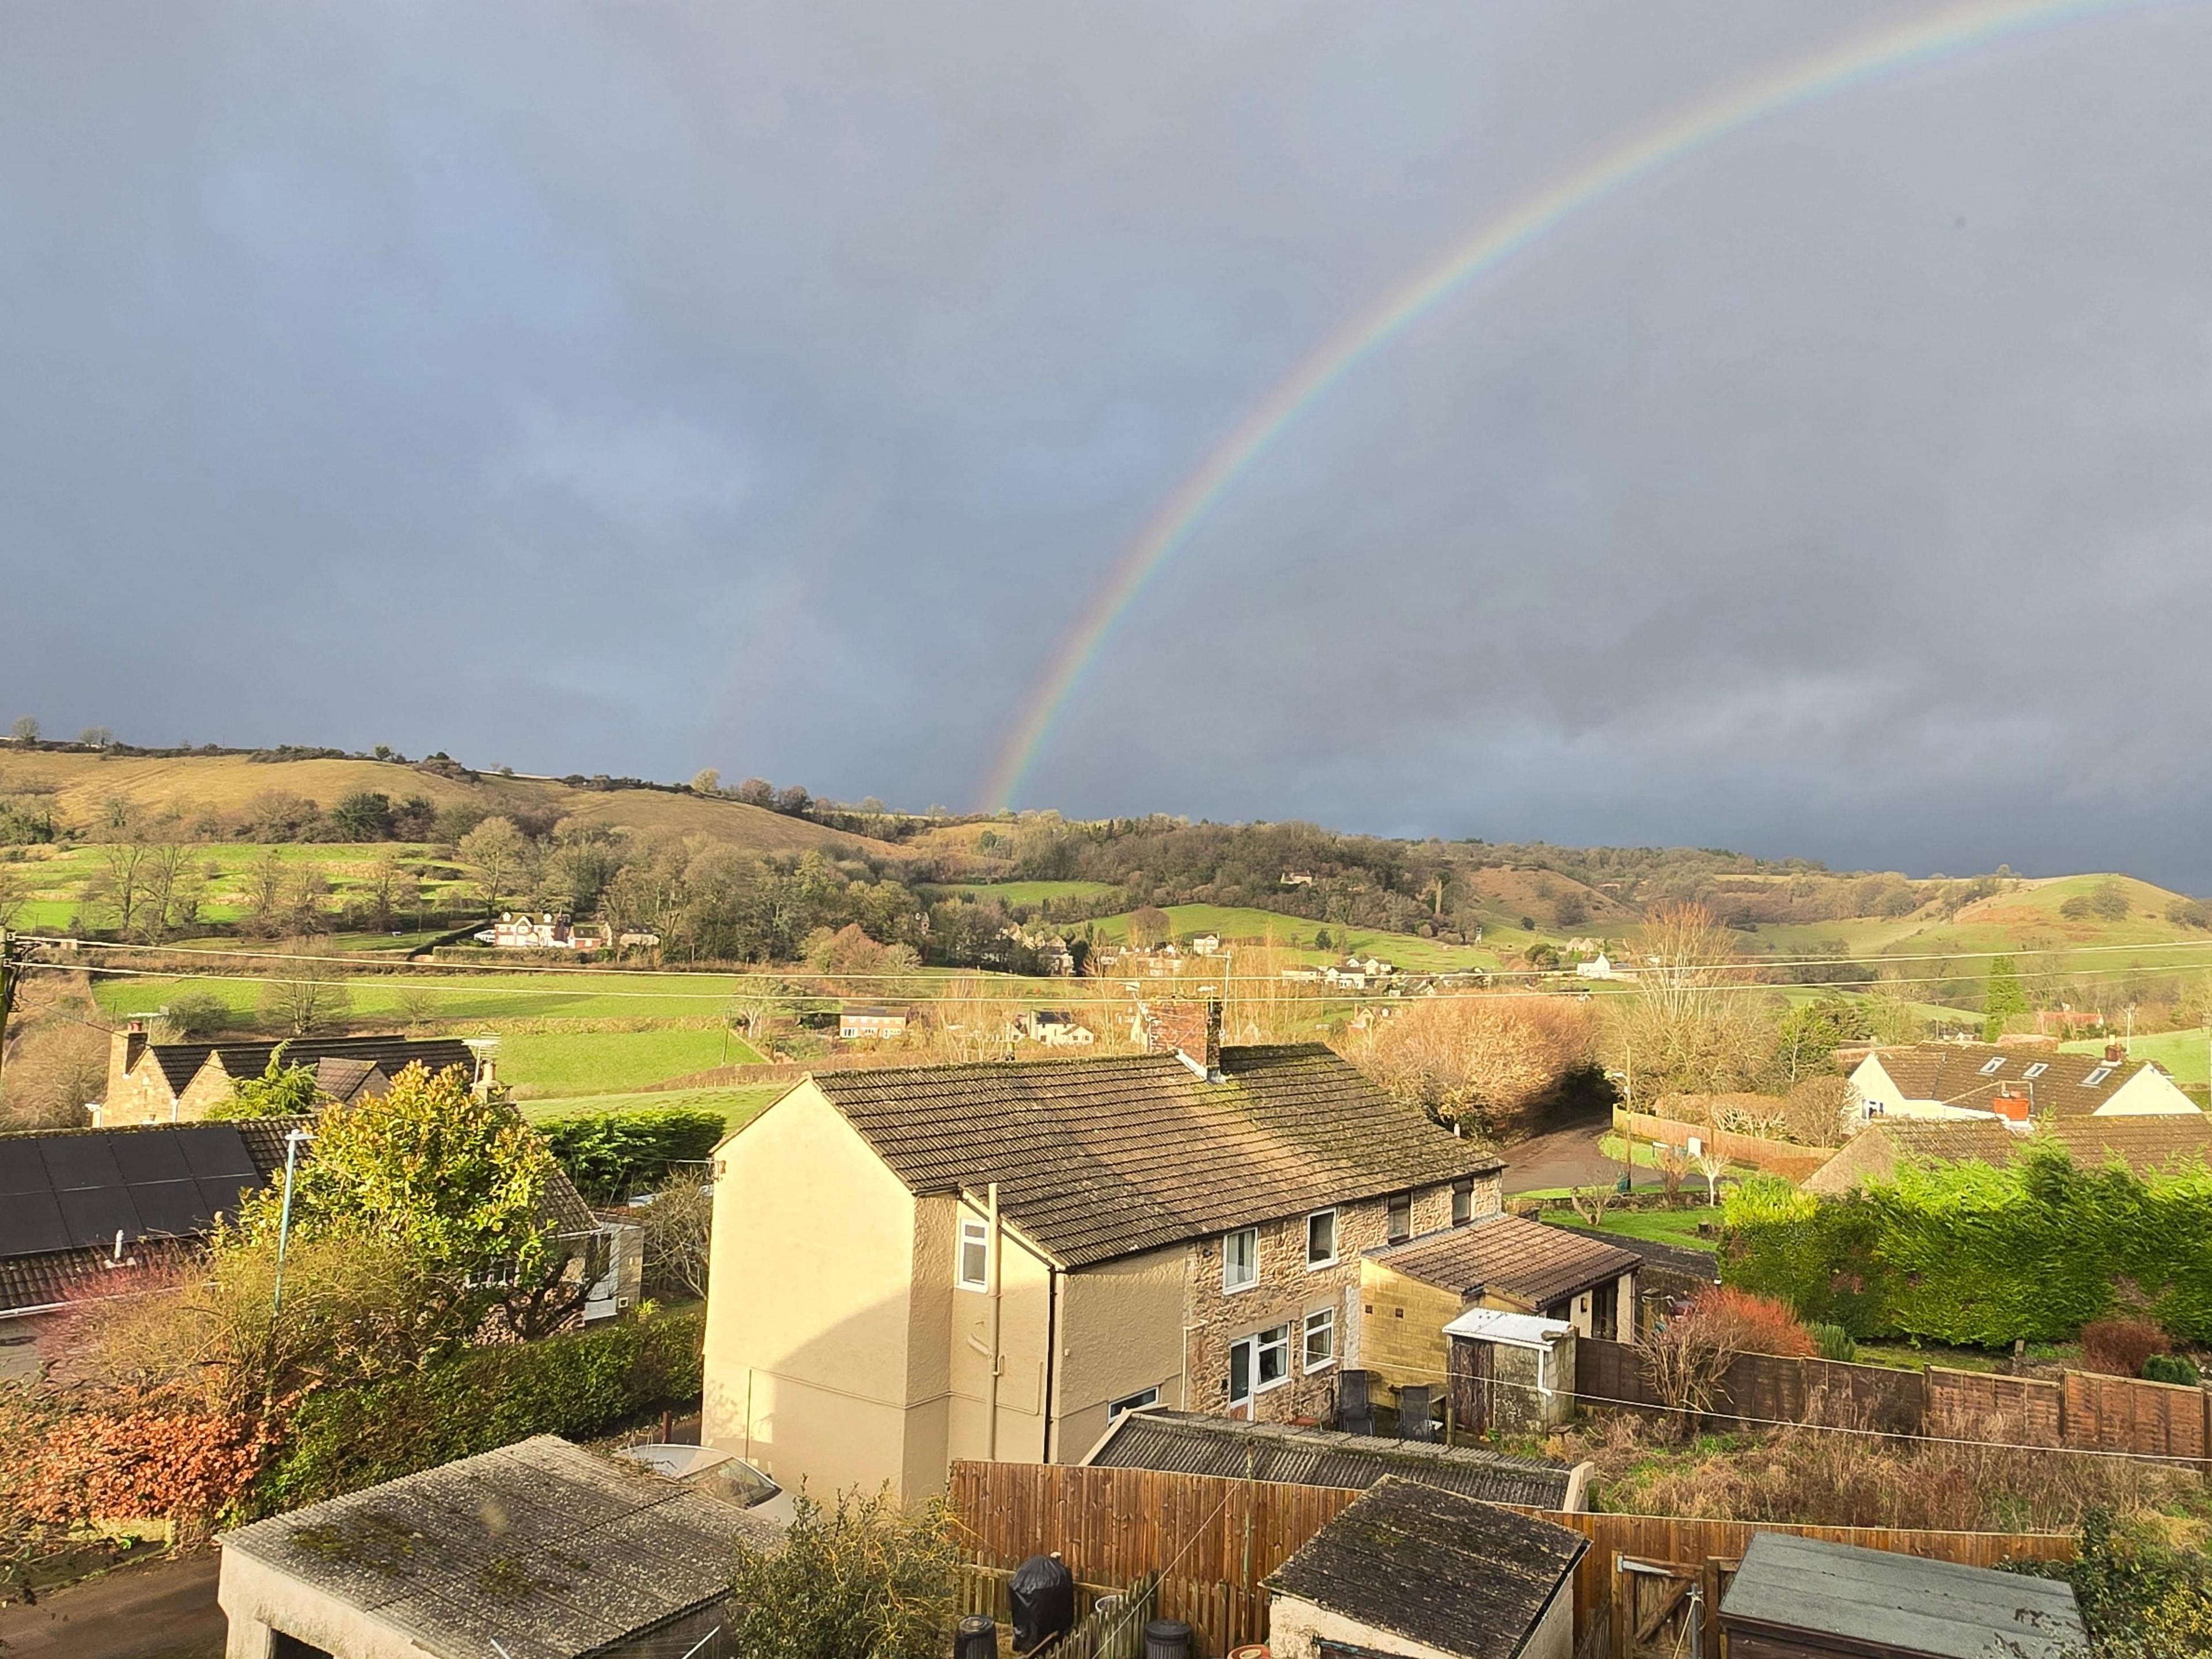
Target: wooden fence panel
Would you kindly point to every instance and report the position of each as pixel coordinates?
(2021, 1411)
(2125, 1415)
(1214, 1541)
(1781, 1158)
(1612, 1374)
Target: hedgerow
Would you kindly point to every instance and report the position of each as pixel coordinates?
(1980, 1256)
(576, 1385)
(609, 1155)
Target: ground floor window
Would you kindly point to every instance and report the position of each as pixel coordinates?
(1258, 1362)
(1321, 1337)
(1133, 1402)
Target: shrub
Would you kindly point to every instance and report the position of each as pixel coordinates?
(2119, 1347)
(1834, 1343)
(861, 1575)
(583, 1383)
(610, 1155)
(2169, 1368)
(194, 1015)
(1745, 1323)
(2141, 1597)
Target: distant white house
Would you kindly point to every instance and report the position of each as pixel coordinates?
(857, 1024)
(1056, 1030)
(1598, 967)
(1978, 1079)
(521, 931)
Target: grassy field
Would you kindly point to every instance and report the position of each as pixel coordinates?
(55, 877)
(540, 1064)
(1295, 932)
(580, 994)
(739, 1107)
(2182, 1053)
(1020, 892)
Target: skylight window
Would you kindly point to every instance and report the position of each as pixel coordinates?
(1994, 1067)
(2038, 1069)
(2096, 1077)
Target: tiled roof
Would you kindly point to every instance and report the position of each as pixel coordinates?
(2144, 1145)
(180, 1062)
(1448, 1572)
(1967, 1075)
(1525, 1259)
(554, 1550)
(1105, 1156)
(1188, 1443)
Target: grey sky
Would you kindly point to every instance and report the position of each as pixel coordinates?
(639, 388)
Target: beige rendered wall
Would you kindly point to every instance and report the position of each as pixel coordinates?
(952, 1341)
(1402, 1326)
(1121, 1333)
(809, 1306)
(1296, 1630)
(258, 1600)
(2148, 1093)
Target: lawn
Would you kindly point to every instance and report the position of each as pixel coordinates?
(55, 877)
(562, 995)
(738, 1106)
(1678, 1227)
(558, 1063)
(1020, 892)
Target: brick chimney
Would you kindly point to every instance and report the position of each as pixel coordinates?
(1190, 1029)
(124, 1048)
(2115, 1052)
(2015, 1110)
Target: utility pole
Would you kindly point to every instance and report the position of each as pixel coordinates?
(8, 977)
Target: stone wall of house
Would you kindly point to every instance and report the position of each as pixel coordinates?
(1288, 1290)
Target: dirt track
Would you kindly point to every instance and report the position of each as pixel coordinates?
(164, 1610)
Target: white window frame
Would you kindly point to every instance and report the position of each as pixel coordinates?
(972, 1232)
(1252, 1267)
(2097, 1077)
(1261, 1346)
(1994, 1067)
(1319, 1320)
(1328, 1261)
(2036, 1070)
(1136, 1401)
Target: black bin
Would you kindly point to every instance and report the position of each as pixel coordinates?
(1043, 1592)
(1167, 1639)
(977, 1639)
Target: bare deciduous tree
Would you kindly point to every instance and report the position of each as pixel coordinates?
(308, 992)
(497, 859)
(677, 1225)
(1482, 1059)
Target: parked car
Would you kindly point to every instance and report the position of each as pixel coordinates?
(719, 1474)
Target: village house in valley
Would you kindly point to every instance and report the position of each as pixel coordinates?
(152, 1082)
(998, 1258)
(1964, 1079)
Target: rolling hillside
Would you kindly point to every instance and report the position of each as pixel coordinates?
(81, 786)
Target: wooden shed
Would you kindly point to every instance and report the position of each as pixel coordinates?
(1799, 1598)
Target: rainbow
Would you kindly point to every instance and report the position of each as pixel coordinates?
(1678, 132)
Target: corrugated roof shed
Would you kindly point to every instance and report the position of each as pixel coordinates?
(1188, 1443)
(1447, 1572)
(547, 1548)
(1107, 1156)
(1898, 1605)
(1526, 1260)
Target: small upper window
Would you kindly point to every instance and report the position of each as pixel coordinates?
(1240, 1260)
(2096, 1077)
(1462, 1203)
(2038, 1069)
(1134, 1402)
(1994, 1067)
(974, 1255)
(1321, 1238)
(1401, 1217)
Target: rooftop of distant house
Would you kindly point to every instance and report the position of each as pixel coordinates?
(1449, 1572)
(1969, 1075)
(553, 1550)
(1107, 1155)
(1189, 1443)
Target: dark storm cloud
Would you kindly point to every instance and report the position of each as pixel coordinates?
(633, 389)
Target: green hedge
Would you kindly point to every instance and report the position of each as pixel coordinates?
(576, 1385)
(1967, 1254)
(610, 1155)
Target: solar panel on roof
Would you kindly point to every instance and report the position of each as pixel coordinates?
(31, 1222)
(170, 1208)
(146, 1155)
(94, 1215)
(75, 1162)
(21, 1168)
(222, 1197)
(215, 1149)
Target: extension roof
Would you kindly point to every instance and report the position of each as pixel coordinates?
(1448, 1572)
(1512, 1255)
(180, 1062)
(1899, 1604)
(1104, 1157)
(1968, 1075)
(1189, 1443)
(551, 1550)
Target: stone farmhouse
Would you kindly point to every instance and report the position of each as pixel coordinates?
(1000, 1259)
(1978, 1080)
(177, 1082)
